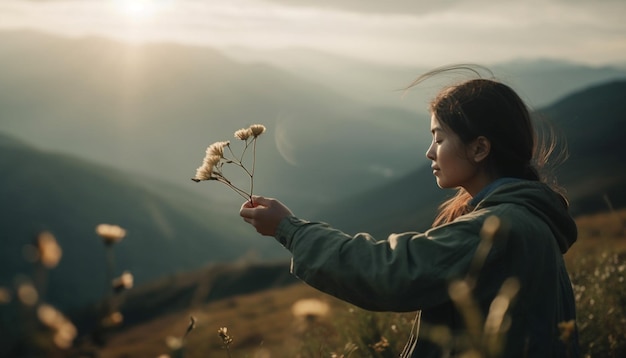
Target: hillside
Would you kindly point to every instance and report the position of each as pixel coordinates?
(264, 322)
(169, 230)
(153, 109)
(592, 122)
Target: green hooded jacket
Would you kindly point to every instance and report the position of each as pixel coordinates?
(413, 272)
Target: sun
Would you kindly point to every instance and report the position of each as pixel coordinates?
(137, 9)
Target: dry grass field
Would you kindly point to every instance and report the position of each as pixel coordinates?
(299, 321)
(265, 324)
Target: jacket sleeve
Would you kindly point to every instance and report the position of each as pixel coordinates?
(405, 272)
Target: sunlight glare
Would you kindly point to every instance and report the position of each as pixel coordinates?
(137, 9)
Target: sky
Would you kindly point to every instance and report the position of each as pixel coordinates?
(403, 32)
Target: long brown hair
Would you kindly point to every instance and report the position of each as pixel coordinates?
(489, 108)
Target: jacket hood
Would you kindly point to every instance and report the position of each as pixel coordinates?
(542, 201)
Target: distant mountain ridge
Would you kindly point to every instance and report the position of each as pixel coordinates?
(167, 233)
(153, 108)
(592, 121)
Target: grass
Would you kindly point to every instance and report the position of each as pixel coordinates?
(264, 323)
(269, 324)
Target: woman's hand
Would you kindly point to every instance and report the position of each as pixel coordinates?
(264, 214)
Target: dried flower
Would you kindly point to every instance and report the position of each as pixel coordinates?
(124, 282)
(257, 129)
(310, 309)
(49, 250)
(215, 159)
(226, 339)
(174, 343)
(217, 149)
(64, 330)
(27, 293)
(243, 133)
(381, 345)
(111, 234)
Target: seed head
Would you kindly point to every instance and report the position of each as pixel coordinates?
(64, 330)
(223, 333)
(217, 149)
(124, 282)
(243, 133)
(49, 250)
(257, 129)
(110, 234)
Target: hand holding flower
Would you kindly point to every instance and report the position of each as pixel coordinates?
(264, 214)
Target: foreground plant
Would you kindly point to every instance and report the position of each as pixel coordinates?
(226, 339)
(220, 153)
(110, 315)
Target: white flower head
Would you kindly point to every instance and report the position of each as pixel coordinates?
(217, 149)
(211, 160)
(63, 329)
(257, 129)
(204, 172)
(310, 307)
(243, 133)
(214, 160)
(49, 250)
(110, 233)
(124, 282)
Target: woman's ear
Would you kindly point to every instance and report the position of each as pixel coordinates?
(480, 149)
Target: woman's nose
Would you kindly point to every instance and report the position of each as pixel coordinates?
(430, 152)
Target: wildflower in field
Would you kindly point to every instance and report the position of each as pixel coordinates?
(173, 343)
(221, 153)
(27, 293)
(63, 330)
(112, 319)
(124, 282)
(223, 333)
(381, 345)
(49, 251)
(110, 234)
(310, 309)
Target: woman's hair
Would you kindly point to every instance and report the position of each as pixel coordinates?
(486, 107)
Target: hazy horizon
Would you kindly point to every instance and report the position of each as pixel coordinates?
(401, 33)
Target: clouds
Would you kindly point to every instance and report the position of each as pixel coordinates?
(376, 6)
(401, 32)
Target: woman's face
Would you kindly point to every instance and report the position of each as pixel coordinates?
(451, 163)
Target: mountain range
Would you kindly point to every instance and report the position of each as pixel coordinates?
(168, 229)
(153, 108)
(95, 131)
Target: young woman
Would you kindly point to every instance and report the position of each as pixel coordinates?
(490, 272)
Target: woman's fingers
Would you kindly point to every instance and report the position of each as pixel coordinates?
(264, 214)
